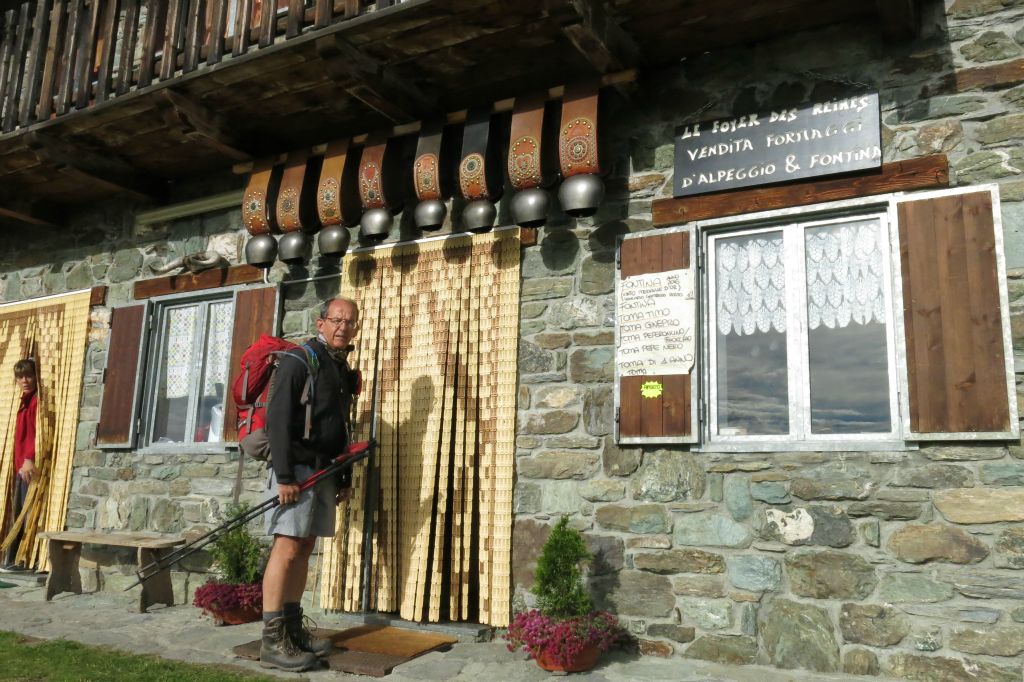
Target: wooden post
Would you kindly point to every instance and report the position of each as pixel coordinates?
(58, 18)
(215, 41)
(156, 590)
(34, 66)
(126, 58)
(67, 69)
(243, 19)
(153, 39)
(106, 47)
(64, 575)
(194, 26)
(17, 59)
(86, 56)
(172, 37)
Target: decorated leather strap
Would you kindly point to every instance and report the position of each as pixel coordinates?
(577, 138)
(473, 181)
(260, 195)
(371, 168)
(427, 167)
(524, 149)
(289, 198)
(329, 190)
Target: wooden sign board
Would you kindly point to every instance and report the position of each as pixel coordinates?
(815, 139)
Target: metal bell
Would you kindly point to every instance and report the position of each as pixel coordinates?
(479, 215)
(295, 248)
(581, 195)
(333, 240)
(375, 225)
(429, 215)
(261, 250)
(530, 207)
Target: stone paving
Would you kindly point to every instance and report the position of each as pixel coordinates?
(181, 633)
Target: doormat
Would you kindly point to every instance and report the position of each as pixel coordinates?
(372, 650)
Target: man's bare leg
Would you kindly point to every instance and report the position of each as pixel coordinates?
(284, 577)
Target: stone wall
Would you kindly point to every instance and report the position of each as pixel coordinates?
(903, 563)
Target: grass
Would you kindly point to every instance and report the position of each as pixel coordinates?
(34, 660)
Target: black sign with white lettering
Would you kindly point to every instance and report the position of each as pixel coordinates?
(822, 138)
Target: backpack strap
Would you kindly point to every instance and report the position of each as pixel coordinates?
(312, 367)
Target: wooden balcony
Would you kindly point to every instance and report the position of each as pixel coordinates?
(99, 97)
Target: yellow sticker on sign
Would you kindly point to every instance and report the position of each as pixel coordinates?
(651, 389)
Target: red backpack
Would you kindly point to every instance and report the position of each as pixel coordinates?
(251, 391)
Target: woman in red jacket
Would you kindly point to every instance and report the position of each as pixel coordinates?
(24, 451)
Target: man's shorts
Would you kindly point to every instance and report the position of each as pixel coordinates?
(312, 515)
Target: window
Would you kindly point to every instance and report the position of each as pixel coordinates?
(858, 324)
(802, 345)
(170, 364)
(190, 348)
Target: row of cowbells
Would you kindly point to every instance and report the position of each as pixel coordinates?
(296, 248)
(350, 185)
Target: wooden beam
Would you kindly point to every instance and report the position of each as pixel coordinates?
(198, 123)
(31, 213)
(901, 19)
(926, 172)
(207, 279)
(598, 38)
(97, 167)
(374, 84)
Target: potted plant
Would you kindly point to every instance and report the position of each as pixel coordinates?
(236, 595)
(564, 632)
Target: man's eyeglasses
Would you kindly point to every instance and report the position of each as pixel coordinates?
(341, 322)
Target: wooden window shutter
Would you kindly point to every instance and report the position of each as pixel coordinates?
(672, 416)
(255, 314)
(121, 381)
(959, 373)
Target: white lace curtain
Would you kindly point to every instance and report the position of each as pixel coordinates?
(844, 270)
(219, 348)
(181, 331)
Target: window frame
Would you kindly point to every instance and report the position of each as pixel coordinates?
(797, 339)
(889, 204)
(145, 374)
(156, 363)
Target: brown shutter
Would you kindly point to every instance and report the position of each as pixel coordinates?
(255, 310)
(958, 352)
(121, 376)
(671, 417)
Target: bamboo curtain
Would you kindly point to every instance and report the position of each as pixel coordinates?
(52, 331)
(443, 319)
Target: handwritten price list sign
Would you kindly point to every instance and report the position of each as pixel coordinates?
(655, 315)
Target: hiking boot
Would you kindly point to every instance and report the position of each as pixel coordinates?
(277, 650)
(303, 638)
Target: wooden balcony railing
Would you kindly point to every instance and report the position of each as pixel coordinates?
(57, 56)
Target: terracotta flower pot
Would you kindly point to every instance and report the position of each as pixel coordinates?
(585, 660)
(235, 616)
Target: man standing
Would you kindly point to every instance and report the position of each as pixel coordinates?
(24, 453)
(300, 444)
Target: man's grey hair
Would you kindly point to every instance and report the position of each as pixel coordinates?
(327, 304)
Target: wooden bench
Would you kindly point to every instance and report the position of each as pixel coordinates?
(66, 550)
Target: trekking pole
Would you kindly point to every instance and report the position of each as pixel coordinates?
(352, 454)
(370, 500)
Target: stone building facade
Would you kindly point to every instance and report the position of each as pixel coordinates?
(869, 562)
